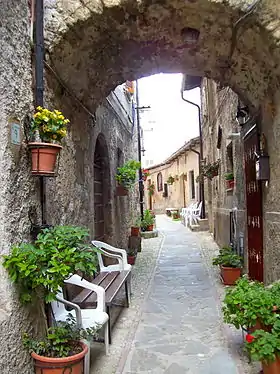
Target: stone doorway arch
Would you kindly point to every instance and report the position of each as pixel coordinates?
(102, 211)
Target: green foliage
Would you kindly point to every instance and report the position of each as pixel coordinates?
(210, 170)
(228, 258)
(248, 302)
(151, 189)
(148, 219)
(126, 174)
(41, 268)
(229, 176)
(170, 180)
(61, 340)
(264, 346)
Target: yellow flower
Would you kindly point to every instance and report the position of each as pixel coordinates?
(54, 136)
(39, 108)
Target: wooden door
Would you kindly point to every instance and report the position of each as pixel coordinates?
(254, 207)
(99, 218)
(150, 196)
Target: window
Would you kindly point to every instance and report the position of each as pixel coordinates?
(192, 184)
(159, 182)
(165, 192)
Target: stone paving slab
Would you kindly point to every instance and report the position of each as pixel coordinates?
(180, 330)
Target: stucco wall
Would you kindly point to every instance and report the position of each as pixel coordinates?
(179, 193)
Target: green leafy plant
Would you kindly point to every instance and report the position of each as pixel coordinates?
(148, 219)
(151, 189)
(264, 346)
(40, 269)
(229, 176)
(170, 180)
(228, 258)
(249, 302)
(61, 340)
(51, 125)
(210, 170)
(126, 174)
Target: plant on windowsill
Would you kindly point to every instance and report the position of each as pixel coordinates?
(264, 346)
(170, 180)
(230, 264)
(148, 221)
(151, 189)
(52, 128)
(126, 176)
(61, 348)
(229, 178)
(38, 270)
(251, 306)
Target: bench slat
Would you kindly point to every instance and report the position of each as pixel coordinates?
(115, 287)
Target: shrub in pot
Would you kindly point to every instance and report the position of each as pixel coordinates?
(126, 176)
(148, 221)
(250, 305)
(230, 264)
(39, 270)
(229, 178)
(52, 128)
(264, 346)
(131, 256)
(135, 228)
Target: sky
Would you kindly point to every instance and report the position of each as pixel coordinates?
(171, 121)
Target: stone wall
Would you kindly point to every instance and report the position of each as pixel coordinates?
(179, 193)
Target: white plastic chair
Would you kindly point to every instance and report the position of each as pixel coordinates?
(85, 318)
(112, 252)
(195, 214)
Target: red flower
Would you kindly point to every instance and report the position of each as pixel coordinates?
(249, 338)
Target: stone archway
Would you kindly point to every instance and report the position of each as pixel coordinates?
(102, 213)
(101, 43)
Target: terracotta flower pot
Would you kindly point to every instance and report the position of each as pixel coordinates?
(230, 184)
(230, 275)
(150, 228)
(135, 231)
(121, 191)
(272, 368)
(44, 157)
(49, 365)
(131, 260)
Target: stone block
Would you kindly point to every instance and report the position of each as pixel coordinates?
(202, 226)
(134, 242)
(149, 234)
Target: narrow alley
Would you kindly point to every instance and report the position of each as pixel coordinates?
(179, 327)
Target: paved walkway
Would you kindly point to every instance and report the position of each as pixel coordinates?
(180, 330)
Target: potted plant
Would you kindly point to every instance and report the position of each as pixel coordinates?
(131, 256)
(151, 189)
(175, 215)
(61, 349)
(39, 270)
(170, 180)
(211, 170)
(264, 346)
(52, 128)
(135, 229)
(250, 305)
(126, 176)
(230, 264)
(229, 178)
(145, 174)
(148, 221)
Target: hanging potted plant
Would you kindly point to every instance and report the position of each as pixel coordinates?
(170, 180)
(39, 270)
(51, 126)
(230, 264)
(151, 189)
(126, 176)
(145, 174)
(211, 170)
(229, 178)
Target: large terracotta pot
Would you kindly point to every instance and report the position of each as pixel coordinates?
(273, 368)
(121, 191)
(230, 184)
(44, 157)
(72, 364)
(131, 260)
(135, 231)
(230, 275)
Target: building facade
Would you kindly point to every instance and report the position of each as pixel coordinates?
(175, 180)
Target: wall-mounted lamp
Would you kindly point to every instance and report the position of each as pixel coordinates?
(242, 115)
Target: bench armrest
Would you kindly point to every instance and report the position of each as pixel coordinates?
(74, 306)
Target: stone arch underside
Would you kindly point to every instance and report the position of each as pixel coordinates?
(96, 45)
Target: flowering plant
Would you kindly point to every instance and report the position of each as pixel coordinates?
(151, 189)
(264, 346)
(145, 173)
(51, 125)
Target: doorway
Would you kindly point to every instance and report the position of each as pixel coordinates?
(254, 207)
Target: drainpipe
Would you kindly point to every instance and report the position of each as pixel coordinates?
(141, 185)
(39, 82)
(201, 182)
